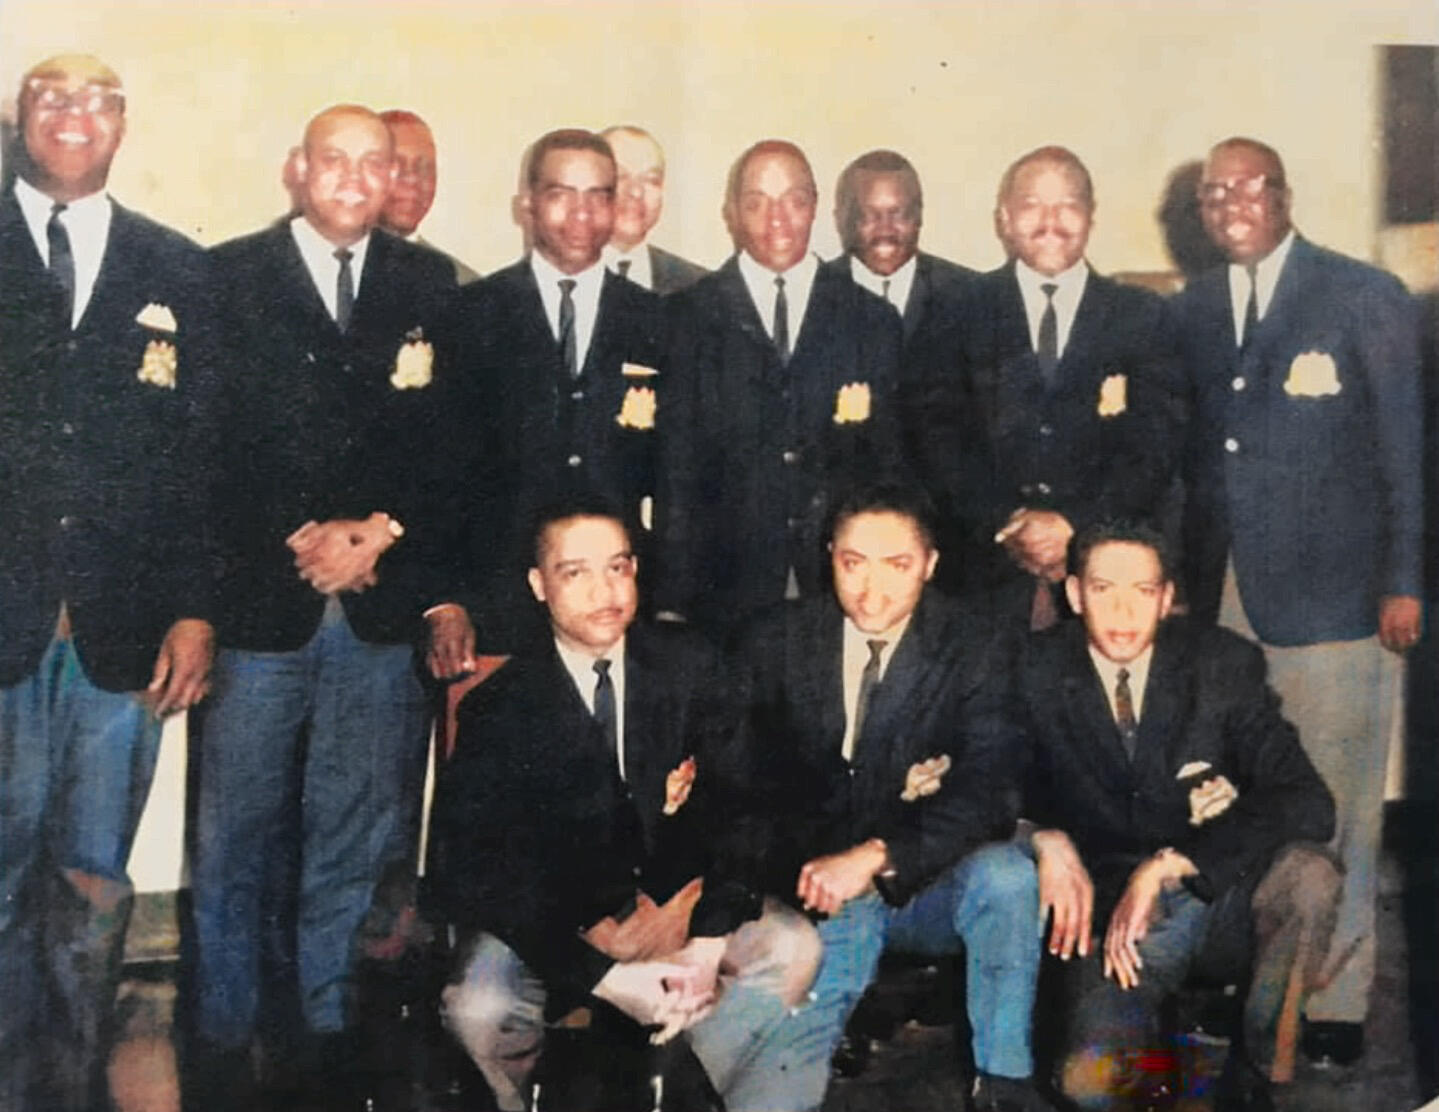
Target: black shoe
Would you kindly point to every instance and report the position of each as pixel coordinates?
(1006, 1094)
(1327, 1042)
(851, 1057)
(1241, 1088)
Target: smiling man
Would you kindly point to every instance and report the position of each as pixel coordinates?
(783, 376)
(326, 528)
(1304, 514)
(1054, 403)
(1177, 828)
(106, 415)
(581, 796)
(882, 744)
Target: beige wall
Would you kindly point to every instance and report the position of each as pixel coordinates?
(219, 90)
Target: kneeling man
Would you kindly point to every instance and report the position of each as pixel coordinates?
(1177, 813)
(883, 732)
(575, 840)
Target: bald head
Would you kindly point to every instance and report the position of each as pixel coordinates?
(416, 172)
(639, 183)
(344, 171)
(72, 118)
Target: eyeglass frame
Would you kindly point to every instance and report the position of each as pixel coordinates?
(1248, 188)
(90, 99)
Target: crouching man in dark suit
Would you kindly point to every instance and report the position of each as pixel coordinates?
(883, 730)
(1177, 811)
(574, 832)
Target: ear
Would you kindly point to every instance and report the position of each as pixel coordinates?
(301, 164)
(1166, 600)
(932, 563)
(537, 584)
(1071, 592)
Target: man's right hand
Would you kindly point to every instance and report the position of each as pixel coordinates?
(655, 993)
(1065, 889)
(452, 641)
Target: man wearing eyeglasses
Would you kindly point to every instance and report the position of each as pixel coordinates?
(1303, 517)
(103, 413)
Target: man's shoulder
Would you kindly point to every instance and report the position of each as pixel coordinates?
(1323, 264)
(671, 272)
(157, 237)
(945, 275)
(419, 258)
(265, 243)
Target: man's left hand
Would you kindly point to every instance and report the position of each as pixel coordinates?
(827, 883)
(340, 555)
(703, 955)
(1400, 622)
(1136, 911)
(182, 667)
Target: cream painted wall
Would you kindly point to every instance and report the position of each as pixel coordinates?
(219, 90)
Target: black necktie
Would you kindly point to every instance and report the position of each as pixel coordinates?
(62, 262)
(884, 290)
(623, 266)
(868, 681)
(1048, 347)
(344, 290)
(567, 329)
(605, 705)
(1251, 310)
(781, 321)
(1124, 713)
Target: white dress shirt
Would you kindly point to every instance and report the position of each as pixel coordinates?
(86, 223)
(581, 667)
(1266, 277)
(638, 256)
(856, 656)
(1071, 285)
(901, 282)
(319, 256)
(585, 295)
(1138, 678)
(798, 280)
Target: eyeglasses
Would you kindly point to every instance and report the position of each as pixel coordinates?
(90, 100)
(1242, 189)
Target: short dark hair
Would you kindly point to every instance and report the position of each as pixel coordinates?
(764, 146)
(1055, 156)
(1120, 531)
(563, 139)
(846, 189)
(886, 496)
(567, 507)
(1264, 150)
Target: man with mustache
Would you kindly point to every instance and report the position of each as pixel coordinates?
(416, 175)
(1054, 403)
(639, 200)
(106, 416)
(325, 516)
(783, 382)
(1304, 509)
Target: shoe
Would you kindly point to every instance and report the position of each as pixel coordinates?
(1241, 1088)
(851, 1057)
(1332, 1043)
(993, 1093)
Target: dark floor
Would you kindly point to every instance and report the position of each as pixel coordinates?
(917, 1069)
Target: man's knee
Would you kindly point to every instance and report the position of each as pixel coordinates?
(796, 946)
(481, 1014)
(1304, 882)
(1001, 878)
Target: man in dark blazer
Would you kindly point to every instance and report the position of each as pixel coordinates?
(1176, 812)
(882, 744)
(782, 379)
(326, 518)
(1304, 505)
(575, 840)
(639, 200)
(1054, 403)
(105, 418)
(416, 176)
(561, 364)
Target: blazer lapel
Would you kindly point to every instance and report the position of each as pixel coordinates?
(602, 335)
(914, 311)
(1090, 322)
(816, 654)
(1091, 723)
(1167, 694)
(916, 666)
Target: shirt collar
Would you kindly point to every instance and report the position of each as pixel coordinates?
(901, 282)
(1138, 674)
(1266, 277)
(587, 281)
(856, 640)
(1070, 282)
(581, 667)
(89, 215)
(319, 253)
(638, 257)
(798, 280)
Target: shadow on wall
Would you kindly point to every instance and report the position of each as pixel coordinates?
(1178, 217)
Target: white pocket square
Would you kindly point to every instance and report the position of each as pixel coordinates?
(158, 317)
(1193, 768)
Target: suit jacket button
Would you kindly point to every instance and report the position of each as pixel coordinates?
(72, 346)
(790, 456)
(577, 396)
(574, 461)
(67, 522)
(68, 429)
(1238, 382)
(792, 522)
(1043, 488)
(1046, 430)
(636, 870)
(1231, 445)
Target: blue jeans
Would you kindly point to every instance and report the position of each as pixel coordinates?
(340, 725)
(75, 769)
(989, 901)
